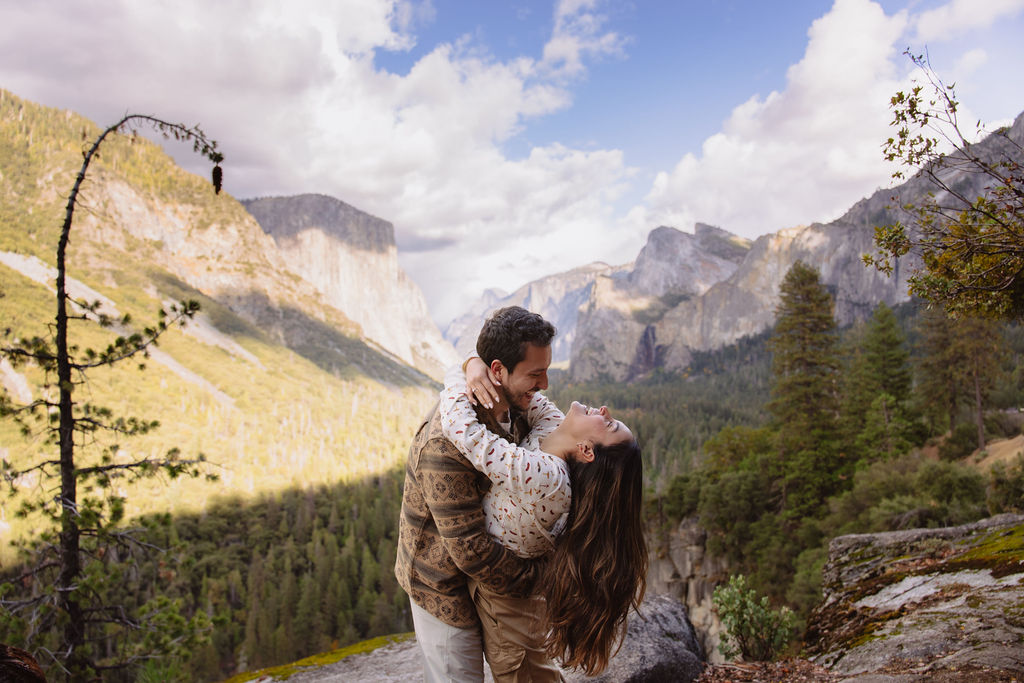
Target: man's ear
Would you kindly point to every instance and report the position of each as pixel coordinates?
(584, 451)
(497, 367)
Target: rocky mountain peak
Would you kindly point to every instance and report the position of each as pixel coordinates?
(285, 218)
(680, 263)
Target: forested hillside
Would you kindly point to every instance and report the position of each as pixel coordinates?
(876, 427)
(274, 388)
(296, 400)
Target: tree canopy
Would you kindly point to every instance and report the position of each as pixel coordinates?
(970, 244)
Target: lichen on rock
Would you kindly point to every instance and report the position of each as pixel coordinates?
(923, 601)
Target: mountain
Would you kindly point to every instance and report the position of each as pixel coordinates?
(706, 290)
(613, 338)
(556, 297)
(351, 259)
(674, 265)
(273, 382)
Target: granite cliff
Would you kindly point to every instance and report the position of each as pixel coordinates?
(556, 297)
(673, 266)
(351, 259)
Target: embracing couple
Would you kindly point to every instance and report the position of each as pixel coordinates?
(520, 536)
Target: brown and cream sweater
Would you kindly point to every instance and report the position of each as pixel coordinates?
(442, 538)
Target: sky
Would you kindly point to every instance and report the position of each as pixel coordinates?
(509, 140)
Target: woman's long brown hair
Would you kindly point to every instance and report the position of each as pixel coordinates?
(598, 569)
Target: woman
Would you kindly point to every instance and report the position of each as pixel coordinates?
(572, 493)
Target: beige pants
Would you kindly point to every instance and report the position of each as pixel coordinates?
(514, 630)
(450, 654)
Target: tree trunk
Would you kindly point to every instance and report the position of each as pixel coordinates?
(70, 561)
(979, 414)
(73, 638)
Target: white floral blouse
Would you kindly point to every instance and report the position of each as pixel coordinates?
(528, 502)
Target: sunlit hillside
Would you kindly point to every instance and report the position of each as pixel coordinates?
(275, 388)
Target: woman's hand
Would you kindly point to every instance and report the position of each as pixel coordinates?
(481, 383)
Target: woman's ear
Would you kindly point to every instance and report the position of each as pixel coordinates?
(584, 452)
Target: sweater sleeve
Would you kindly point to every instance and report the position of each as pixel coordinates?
(451, 492)
(505, 464)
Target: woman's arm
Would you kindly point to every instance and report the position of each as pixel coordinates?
(503, 462)
(543, 415)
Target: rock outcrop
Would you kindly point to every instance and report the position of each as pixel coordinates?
(660, 647)
(681, 568)
(922, 603)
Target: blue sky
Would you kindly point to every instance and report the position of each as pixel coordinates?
(511, 140)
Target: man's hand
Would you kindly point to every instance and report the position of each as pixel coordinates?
(481, 383)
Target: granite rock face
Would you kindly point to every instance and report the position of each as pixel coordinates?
(597, 306)
(350, 258)
(557, 297)
(680, 264)
(925, 602)
(683, 569)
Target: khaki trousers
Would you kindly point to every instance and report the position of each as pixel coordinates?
(514, 630)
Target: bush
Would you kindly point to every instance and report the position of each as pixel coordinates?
(752, 629)
(1003, 424)
(1006, 487)
(960, 443)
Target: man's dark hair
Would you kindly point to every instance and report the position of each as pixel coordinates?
(507, 332)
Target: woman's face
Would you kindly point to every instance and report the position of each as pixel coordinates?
(595, 425)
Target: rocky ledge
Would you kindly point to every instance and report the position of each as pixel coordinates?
(660, 647)
(924, 604)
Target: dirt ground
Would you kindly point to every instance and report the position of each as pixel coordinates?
(803, 671)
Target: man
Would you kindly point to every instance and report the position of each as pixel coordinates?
(442, 540)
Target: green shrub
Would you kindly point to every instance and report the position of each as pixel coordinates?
(682, 496)
(752, 629)
(1006, 487)
(960, 443)
(1003, 424)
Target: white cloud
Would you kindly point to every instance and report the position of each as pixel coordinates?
(803, 154)
(294, 96)
(971, 61)
(960, 16)
(579, 34)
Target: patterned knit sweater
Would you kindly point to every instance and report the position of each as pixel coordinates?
(442, 537)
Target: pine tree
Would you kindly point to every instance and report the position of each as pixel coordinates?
(804, 396)
(886, 356)
(981, 342)
(960, 364)
(875, 411)
(939, 370)
(64, 615)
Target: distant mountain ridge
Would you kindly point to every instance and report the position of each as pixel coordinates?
(674, 265)
(702, 291)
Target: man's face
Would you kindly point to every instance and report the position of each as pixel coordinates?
(530, 375)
